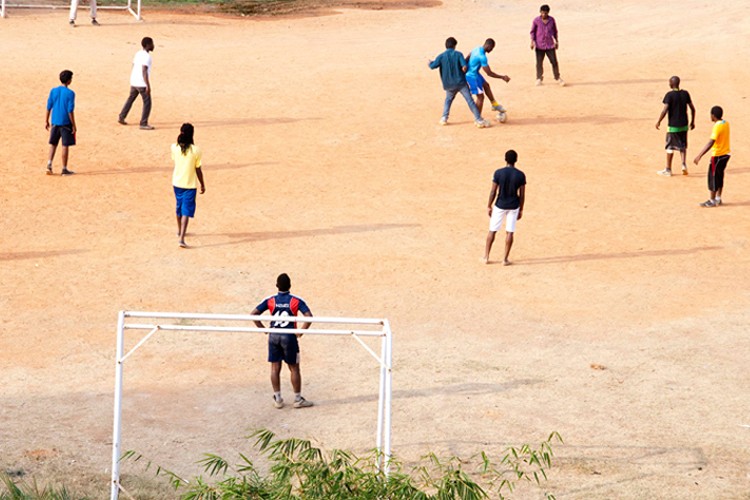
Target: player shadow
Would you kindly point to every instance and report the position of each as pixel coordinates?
(250, 237)
(40, 254)
(466, 389)
(633, 81)
(168, 168)
(730, 204)
(234, 123)
(559, 120)
(618, 255)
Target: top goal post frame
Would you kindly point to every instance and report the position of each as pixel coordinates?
(134, 10)
(160, 321)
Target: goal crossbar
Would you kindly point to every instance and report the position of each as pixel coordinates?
(135, 10)
(384, 360)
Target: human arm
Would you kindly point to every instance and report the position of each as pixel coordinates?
(491, 73)
(522, 198)
(199, 173)
(434, 64)
(46, 120)
(533, 34)
(555, 34)
(692, 115)
(305, 324)
(662, 115)
(146, 79)
(493, 194)
(72, 116)
(256, 312)
(705, 150)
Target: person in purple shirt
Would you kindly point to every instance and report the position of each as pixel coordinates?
(544, 41)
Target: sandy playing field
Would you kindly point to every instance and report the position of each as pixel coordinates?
(623, 323)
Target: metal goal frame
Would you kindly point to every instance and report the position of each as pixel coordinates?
(132, 7)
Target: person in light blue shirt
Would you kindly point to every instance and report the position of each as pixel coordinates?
(477, 84)
(61, 105)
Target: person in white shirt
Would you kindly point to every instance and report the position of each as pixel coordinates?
(140, 83)
(74, 11)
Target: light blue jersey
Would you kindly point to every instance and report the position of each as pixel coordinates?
(477, 60)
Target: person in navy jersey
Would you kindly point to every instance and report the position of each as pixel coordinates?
(284, 346)
(508, 193)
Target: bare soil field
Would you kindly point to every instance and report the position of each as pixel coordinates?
(623, 323)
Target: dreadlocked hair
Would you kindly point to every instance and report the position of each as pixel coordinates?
(185, 139)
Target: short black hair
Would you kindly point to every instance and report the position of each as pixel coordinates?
(147, 40)
(511, 157)
(717, 112)
(283, 282)
(450, 43)
(490, 42)
(544, 8)
(66, 76)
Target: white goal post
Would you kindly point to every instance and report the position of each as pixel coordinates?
(134, 9)
(161, 321)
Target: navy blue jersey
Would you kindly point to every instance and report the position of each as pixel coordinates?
(509, 180)
(282, 305)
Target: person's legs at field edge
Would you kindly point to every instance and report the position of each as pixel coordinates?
(539, 65)
(464, 90)
(449, 96)
(552, 55)
(508, 245)
(128, 104)
(146, 96)
(74, 11)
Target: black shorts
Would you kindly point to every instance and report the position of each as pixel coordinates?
(676, 141)
(716, 172)
(62, 131)
(283, 347)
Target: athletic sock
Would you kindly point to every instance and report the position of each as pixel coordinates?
(717, 199)
(277, 396)
(494, 103)
(297, 396)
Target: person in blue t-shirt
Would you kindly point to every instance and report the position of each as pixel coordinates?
(284, 346)
(453, 75)
(508, 193)
(61, 104)
(477, 84)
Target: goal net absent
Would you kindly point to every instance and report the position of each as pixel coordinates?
(356, 328)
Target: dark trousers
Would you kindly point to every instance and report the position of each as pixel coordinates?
(134, 91)
(552, 55)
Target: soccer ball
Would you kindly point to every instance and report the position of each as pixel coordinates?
(502, 116)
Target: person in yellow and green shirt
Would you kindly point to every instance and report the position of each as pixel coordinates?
(187, 173)
(719, 146)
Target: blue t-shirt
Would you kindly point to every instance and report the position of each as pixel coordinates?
(509, 180)
(282, 305)
(61, 101)
(477, 60)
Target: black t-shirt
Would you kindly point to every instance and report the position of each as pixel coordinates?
(510, 180)
(677, 100)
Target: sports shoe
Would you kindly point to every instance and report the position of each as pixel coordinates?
(717, 201)
(443, 121)
(302, 403)
(666, 172)
(561, 82)
(121, 121)
(538, 82)
(72, 23)
(708, 204)
(482, 123)
(499, 108)
(95, 22)
(684, 170)
(67, 172)
(49, 169)
(278, 403)
(147, 127)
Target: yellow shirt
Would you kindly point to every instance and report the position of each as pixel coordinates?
(184, 175)
(720, 135)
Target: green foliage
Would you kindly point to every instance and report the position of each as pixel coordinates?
(300, 471)
(26, 491)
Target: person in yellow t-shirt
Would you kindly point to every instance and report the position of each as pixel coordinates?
(719, 146)
(187, 173)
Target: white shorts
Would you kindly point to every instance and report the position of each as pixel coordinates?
(498, 214)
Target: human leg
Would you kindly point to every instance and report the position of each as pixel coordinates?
(146, 96)
(296, 377)
(466, 93)
(510, 228)
(183, 229)
(73, 10)
(64, 156)
(92, 3)
(488, 246)
(449, 96)
(276, 376)
(508, 245)
(539, 65)
(552, 55)
(50, 157)
(128, 104)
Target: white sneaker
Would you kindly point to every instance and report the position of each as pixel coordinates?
(443, 121)
(665, 172)
(684, 170)
(499, 108)
(302, 403)
(561, 82)
(538, 82)
(278, 403)
(482, 123)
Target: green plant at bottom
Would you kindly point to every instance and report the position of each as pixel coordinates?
(31, 491)
(300, 471)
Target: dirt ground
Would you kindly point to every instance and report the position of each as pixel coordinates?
(323, 158)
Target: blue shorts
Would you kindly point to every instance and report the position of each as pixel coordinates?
(185, 201)
(64, 132)
(283, 347)
(475, 82)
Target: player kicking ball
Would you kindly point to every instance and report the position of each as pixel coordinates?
(477, 84)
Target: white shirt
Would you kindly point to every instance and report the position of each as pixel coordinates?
(141, 59)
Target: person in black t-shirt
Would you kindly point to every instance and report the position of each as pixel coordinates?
(676, 103)
(508, 193)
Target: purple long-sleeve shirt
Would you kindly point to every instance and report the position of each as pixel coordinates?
(544, 35)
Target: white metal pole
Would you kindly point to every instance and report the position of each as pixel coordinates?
(139, 11)
(2, 9)
(381, 401)
(116, 431)
(388, 361)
